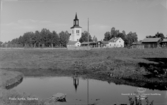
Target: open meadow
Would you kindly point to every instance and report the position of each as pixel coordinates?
(120, 62)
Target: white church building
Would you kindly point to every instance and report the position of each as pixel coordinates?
(76, 30)
(75, 34)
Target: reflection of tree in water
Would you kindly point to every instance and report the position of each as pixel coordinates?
(75, 82)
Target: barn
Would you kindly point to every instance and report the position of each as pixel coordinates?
(151, 42)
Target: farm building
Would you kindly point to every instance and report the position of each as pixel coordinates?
(91, 44)
(103, 43)
(164, 43)
(151, 42)
(138, 45)
(73, 44)
(95, 44)
(115, 42)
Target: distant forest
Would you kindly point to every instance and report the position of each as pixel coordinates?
(46, 38)
(43, 38)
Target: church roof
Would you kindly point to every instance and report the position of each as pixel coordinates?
(75, 26)
(72, 42)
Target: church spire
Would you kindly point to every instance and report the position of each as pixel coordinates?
(76, 22)
(76, 18)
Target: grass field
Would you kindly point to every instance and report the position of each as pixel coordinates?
(121, 62)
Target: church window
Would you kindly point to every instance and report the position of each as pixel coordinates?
(77, 31)
(77, 22)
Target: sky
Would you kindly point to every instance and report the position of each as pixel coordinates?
(145, 17)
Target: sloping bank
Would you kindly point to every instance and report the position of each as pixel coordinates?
(9, 79)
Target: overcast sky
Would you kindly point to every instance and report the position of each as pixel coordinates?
(145, 17)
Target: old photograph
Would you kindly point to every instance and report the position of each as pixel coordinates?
(83, 52)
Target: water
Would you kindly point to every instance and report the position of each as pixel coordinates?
(99, 91)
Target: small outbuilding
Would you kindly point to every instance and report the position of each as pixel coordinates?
(151, 42)
(91, 44)
(73, 44)
(137, 45)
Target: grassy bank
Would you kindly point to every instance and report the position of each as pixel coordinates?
(9, 78)
(130, 64)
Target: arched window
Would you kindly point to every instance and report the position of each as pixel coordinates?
(77, 22)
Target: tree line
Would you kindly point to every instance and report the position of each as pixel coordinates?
(46, 38)
(43, 38)
(157, 35)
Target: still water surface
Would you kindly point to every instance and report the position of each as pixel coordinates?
(76, 90)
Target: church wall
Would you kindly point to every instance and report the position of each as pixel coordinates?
(72, 35)
(77, 35)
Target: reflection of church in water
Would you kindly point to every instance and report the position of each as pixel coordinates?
(75, 82)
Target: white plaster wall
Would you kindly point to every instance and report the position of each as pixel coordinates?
(77, 36)
(118, 43)
(78, 44)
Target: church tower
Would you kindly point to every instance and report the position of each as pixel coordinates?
(76, 30)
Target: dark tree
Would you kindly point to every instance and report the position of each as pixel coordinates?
(84, 37)
(55, 39)
(44, 37)
(94, 39)
(1, 44)
(131, 37)
(159, 35)
(113, 33)
(64, 38)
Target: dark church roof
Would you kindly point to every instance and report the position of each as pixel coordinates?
(72, 42)
(76, 18)
(75, 27)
